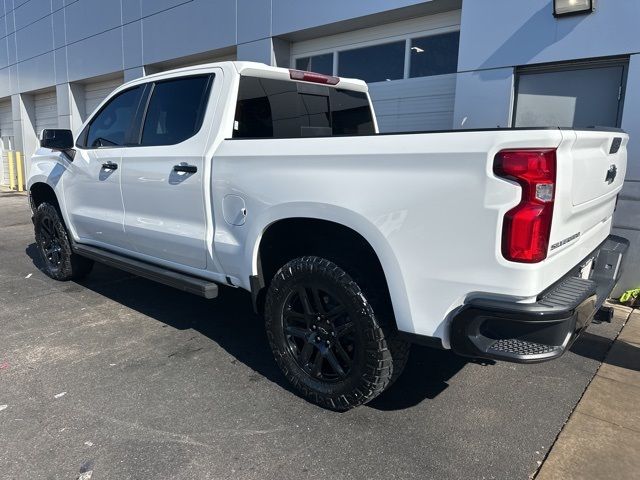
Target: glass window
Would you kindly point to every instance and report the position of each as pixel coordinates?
(351, 113)
(434, 55)
(317, 63)
(269, 108)
(377, 63)
(110, 126)
(175, 111)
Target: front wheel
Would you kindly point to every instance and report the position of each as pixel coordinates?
(326, 337)
(60, 263)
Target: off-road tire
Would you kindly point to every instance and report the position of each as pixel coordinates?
(381, 354)
(59, 261)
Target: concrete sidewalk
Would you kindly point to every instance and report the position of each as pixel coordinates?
(602, 437)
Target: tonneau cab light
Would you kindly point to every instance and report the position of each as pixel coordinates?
(313, 77)
(527, 227)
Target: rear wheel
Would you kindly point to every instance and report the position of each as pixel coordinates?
(326, 337)
(60, 263)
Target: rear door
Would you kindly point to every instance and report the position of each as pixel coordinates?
(163, 178)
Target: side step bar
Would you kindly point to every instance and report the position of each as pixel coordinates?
(181, 281)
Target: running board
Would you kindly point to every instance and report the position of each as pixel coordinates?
(197, 286)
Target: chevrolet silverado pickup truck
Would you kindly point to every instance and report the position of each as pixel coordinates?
(354, 244)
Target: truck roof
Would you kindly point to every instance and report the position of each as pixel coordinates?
(260, 70)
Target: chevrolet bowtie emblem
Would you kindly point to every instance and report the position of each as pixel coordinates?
(611, 174)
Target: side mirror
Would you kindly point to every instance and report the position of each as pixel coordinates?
(55, 139)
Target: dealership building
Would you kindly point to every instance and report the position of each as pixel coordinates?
(430, 65)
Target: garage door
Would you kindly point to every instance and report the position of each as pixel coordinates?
(569, 96)
(6, 138)
(410, 67)
(95, 93)
(46, 110)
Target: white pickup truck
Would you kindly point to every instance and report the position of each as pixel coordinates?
(354, 244)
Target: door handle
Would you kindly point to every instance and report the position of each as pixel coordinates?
(185, 168)
(109, 166)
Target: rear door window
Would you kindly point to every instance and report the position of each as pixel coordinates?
(270, 108)
(176, 110)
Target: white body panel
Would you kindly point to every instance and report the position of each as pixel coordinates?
(428, 204)
(93, 196)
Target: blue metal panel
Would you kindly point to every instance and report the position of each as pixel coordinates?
(81, 55)
(132, 41)
(258, 51)
(529, 33)
(10, 23)
(131, 10)
(90, 17)
(59, 26)
(194, 27)
(34, 39)
(294, 15)
(11, 48)
(150, 7)
(5, 82)
(60, 59)
(3, 24)
(254, 20)
(4, 54)
(483, 99)
(37, 72)
(631, 118)
(31, 11)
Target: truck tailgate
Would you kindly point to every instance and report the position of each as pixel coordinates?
(591, 165)
(598, 165)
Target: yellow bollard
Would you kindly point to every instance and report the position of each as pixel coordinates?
(12, 173)
(20, 170)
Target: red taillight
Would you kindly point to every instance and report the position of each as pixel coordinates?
(527, 227)
(313, 77)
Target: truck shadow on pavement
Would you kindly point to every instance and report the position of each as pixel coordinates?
(618, 354)
(230, 322)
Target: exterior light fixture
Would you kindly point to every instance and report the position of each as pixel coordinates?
(572, 7)
(417, 49)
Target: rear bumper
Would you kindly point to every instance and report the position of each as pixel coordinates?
(544, 330)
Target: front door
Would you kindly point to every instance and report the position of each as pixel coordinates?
(92, 192)
(163, 178)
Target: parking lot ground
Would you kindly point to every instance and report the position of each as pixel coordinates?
(128, 379)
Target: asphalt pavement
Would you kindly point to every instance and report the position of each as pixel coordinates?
(116, 377)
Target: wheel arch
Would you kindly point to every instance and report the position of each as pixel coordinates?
(40, 192)
(305, 232)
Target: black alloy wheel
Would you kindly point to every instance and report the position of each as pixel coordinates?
(320, 333)
(326, 337)
(52, 240)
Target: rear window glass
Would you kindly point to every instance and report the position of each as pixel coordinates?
(175, 111)
(270, 108)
